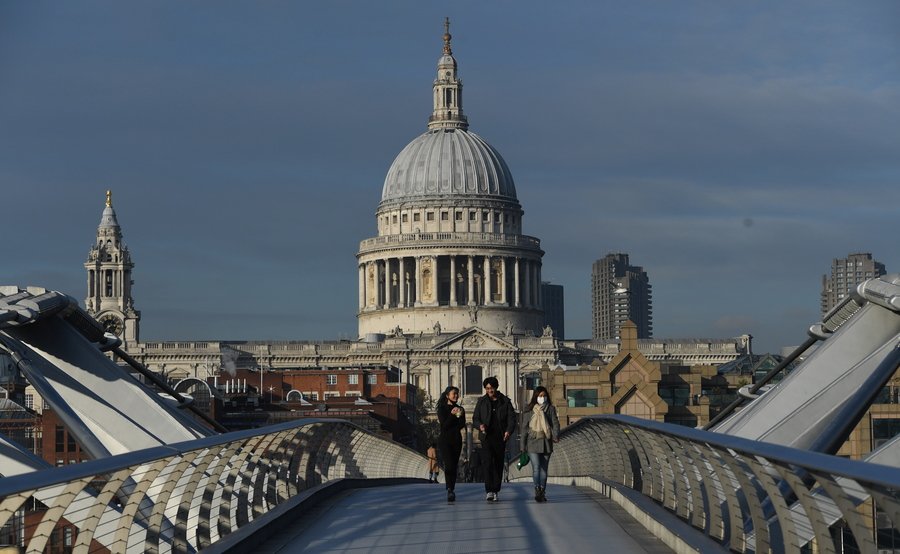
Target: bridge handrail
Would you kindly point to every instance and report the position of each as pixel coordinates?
(186, 496)
(747, 495)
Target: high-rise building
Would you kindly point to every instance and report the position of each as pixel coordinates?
(620, 292)
(846, 273)
(554, 308)
(109, 268)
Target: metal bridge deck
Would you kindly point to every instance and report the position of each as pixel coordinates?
(417, 518)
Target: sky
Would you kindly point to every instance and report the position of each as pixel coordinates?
(731, 149)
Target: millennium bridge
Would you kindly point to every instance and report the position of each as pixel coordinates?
(762, 477)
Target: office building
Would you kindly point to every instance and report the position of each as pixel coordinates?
(620, 292)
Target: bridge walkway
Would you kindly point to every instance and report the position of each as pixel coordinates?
(417, 518)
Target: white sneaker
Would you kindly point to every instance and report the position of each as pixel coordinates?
(496, 497)
(489, 497)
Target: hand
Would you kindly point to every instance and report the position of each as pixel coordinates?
(556, 440)
(482, 428)
(505, 436)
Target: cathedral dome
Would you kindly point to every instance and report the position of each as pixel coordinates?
(448, 162)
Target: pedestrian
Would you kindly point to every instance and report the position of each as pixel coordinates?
(495, 419)
(432, 463)
(452, 418)
(540, 429)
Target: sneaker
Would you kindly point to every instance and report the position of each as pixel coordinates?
(451, 496)
(496, 497)
(489, 497)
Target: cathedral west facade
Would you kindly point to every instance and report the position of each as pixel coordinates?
(449, 289)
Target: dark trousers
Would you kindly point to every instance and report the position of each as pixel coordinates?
(492, 459)
(450, 448)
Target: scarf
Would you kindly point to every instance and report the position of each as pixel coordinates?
(538, 424)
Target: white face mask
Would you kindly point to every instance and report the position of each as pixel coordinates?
(541, 399)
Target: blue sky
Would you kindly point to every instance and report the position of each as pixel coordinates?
(732, 149)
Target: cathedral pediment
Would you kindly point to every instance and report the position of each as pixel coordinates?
(475, 338)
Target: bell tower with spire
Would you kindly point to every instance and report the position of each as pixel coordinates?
(109, 268)
(448, 112)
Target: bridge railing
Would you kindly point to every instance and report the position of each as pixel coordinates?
(746, 495)
(184, 497)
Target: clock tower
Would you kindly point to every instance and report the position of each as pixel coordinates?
(109, 268)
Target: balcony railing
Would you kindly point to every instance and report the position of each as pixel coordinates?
(444, 238)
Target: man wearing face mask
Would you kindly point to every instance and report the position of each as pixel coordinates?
(495, 420)
(540, 430)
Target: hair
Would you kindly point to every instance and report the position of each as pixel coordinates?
(492, 381)
(443, 399)
(534, 396)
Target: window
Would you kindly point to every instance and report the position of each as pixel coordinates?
(429, 216)
(394, 218)
(485, 216)
(496, 217)
(445, 216)
(582, 398)
(404, 218)
(353, 379)
(883, 430)
(332, 380)
(675, 394)
(331, 394)
(311, 395)
(458, 216)
(473, 216)
(372, 379)
(29, 401)
(353, 393)
(416, 217)
(473, 379)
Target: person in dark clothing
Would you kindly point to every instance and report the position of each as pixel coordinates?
(452, 418)
(495, 418)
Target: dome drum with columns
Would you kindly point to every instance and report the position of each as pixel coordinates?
(450, 253)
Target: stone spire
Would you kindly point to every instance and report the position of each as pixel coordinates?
(108, 219)
(109, 269)
(448, 112)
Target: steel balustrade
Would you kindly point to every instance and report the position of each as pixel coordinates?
(184, 497)
(746, 495)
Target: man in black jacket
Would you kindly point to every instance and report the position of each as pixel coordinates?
(495, 419)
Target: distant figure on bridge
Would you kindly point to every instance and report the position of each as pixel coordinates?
(432, 463)
(540, 431)
(452, 418)
(495, 419)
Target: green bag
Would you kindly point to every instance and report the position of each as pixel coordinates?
(523, 460)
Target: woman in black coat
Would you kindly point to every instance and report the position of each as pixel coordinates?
(452, 418)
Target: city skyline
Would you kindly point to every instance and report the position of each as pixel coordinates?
(734, 152)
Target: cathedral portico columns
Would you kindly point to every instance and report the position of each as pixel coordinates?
(528, 284)
(501, 276)
(362, 287)
(518, 300)
(487, 281)
(418, 281)
(471, 295)
(387, 283)
(453, 280)
(401, 302)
